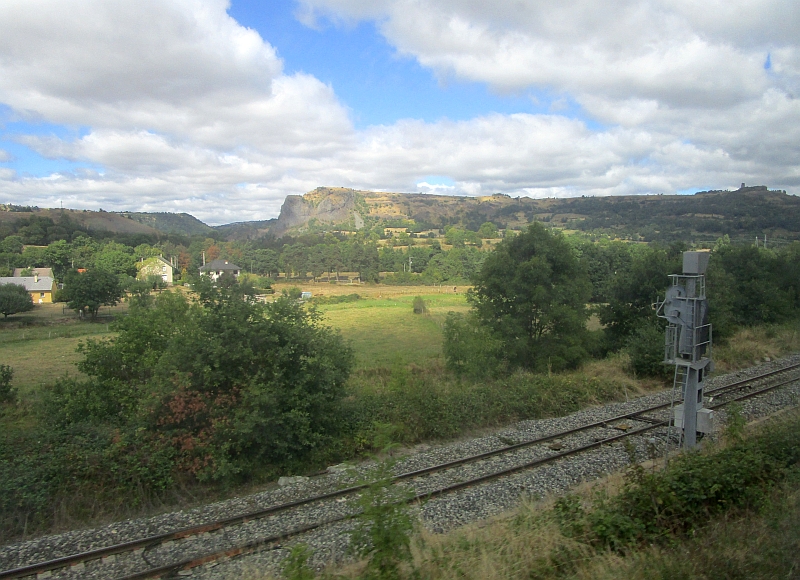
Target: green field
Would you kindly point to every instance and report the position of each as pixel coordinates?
(38, 362)
(385, 331)
(41, 345)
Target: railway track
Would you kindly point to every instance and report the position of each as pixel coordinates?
(179, 551)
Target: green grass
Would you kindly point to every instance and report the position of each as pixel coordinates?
(38, 362)
(39, 354)
(385, 332)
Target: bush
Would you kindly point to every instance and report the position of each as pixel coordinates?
(659, 506)
(646, 350)
(419, 305)
(429, 403)
(7, 392)
(231, 386)
(470, 348)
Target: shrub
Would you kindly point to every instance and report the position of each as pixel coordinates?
(470, 348)
(419, 305)
(229, 384)
(646, 350)
(383, 532)
(655, 506)
(7, 392)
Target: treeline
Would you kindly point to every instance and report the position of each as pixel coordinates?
(63, 246)
(530, 301)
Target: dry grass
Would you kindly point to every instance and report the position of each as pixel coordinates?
(752, 346)
(528, 543)
(367, 290)
(614, 370)
(38, 362)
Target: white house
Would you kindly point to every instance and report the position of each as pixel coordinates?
(217, 268)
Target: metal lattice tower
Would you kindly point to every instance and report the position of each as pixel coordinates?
(688, 344)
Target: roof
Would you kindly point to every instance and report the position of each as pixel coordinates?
(41, 271)
(45, 283)
(216, 265)
(155, 260)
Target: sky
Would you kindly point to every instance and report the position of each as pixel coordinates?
(221, 109)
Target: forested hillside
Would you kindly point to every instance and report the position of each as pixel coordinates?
(741, 214)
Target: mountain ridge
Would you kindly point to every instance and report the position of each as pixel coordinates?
(741, 213)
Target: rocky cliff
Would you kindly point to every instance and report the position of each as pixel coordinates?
(330, 205)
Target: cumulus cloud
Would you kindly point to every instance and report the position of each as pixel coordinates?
(184, 109)
(678, 52)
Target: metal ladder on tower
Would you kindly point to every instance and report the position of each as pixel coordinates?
(678, 386)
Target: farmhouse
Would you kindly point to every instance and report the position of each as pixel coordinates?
(41, 288)
(156, 266)
(217, 268)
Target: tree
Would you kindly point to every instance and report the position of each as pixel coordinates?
(632, 293)
(531, 292)
(91, 290)
(265, 262)
(756, 286)
(488, 230)
(11, 245)
(231, 384)
(59, 256)
(14, 298)
(116, 258)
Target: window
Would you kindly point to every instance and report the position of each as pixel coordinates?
(41, 294)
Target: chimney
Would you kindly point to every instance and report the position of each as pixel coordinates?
(36, 277)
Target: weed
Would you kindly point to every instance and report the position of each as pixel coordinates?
(7, 392)
(296, 565)
(735, 424)
(383, 533)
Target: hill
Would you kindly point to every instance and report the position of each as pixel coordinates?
(84, 219)
(171, 223)
(245, 230)
(742, 214)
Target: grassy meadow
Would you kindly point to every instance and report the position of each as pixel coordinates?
(41, 345)
(381, 326)
(386, 332)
